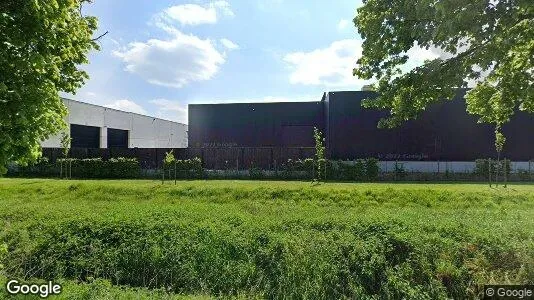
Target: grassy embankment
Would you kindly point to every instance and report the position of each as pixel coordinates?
(267, 239)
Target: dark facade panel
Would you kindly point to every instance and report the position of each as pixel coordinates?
(254, 124)
(117, 138)
(84, 136)
(444, 131)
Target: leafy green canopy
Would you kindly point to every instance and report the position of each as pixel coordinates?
(481, 37)
(42, 43)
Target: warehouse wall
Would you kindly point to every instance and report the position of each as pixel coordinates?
(444, 132)
(144, 131)
(285, 124)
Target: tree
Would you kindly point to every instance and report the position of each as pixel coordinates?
(489, 42)
(65, 144)
(500, 140)
(42, 44)
(168, 161)
(319, 154)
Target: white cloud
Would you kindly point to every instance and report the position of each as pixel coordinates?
(343, 24)
(331, 66)
(417, 57)
(174, 62)
(194, 14)
(127, 105)
(229, 44)
(224, 7)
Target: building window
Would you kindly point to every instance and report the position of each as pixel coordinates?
(117, 138)
(84, 136)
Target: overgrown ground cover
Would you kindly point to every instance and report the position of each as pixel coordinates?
(267, 239)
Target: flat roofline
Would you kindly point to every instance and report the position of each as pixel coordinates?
(278, 102)
(128, 112)
(239, 103)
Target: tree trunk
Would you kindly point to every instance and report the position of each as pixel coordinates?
(505, 171)
(498, 169)
(489, 171)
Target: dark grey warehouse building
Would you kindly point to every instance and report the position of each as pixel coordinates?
(445, 131)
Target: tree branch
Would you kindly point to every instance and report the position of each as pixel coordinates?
(99, 37)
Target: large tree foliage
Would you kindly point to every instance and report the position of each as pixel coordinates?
(42, 44)
(490, 42)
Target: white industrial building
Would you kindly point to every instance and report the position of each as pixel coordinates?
(94, 126)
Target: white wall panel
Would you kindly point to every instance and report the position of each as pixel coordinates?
(118, 119)
(144, 131)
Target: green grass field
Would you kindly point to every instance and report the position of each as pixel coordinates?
(266, 239)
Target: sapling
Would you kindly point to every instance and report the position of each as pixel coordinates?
(65, 146)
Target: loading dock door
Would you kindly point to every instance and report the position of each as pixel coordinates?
(84, 136)
(117, 138)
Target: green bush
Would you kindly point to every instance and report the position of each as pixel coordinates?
(352, 171)
(292, 167)
(372, 169)
(256, 173)
(84, 168)
(122, 167)
(399, 171)
(42, 168)
(189, 168)
(358, 170)
(497, 167)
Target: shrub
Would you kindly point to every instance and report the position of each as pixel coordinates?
(120, 167)
(372, 169)
(482, 167)
(293, 166)
(42, 168)
(256, 173)
(399, 170)
(189, 168)
(352, 171)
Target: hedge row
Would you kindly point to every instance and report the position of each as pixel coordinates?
(358, 170)
(83, 168)
(188, 168)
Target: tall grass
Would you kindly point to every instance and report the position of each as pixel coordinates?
(271, 239)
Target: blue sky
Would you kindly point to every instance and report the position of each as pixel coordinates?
(160, 56)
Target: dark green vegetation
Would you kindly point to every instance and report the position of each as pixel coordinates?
(270, 239)
(360, 170)
(486, 41)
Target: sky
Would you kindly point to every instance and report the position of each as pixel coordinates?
(160, 56)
